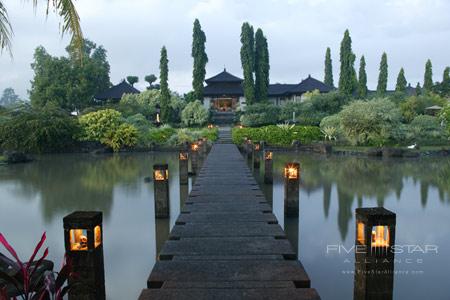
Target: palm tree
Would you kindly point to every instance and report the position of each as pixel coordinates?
(65, 8)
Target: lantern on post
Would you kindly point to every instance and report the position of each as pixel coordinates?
(268, 166)
(183, 158)
(291, 189)
(374, 255)
(194, 157)
(204, 146)
(83, 239)
(256, 154)
(161, 190)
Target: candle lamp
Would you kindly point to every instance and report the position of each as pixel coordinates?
(291, 189)
(268, 166)
(161, 190)
(84, 247)
(183, 167)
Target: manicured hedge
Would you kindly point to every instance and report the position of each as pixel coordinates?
(278, 136)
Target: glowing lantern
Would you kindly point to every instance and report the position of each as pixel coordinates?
(84, 247)
(375, 227)
(210, 126)
(184, 156)
(292, 171)
(257, 147)
(268, 155)
(194, 147)
(160, 172)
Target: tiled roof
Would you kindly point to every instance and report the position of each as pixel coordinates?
(117, 91)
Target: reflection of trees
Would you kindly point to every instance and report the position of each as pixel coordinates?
(74, 182)
(359, 177)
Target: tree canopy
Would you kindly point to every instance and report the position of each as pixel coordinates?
(9, 97)
(401, 82)
(248, 61)
(132, 79)
(262, 66)
(200, 59)
(347, 76)
(383, 76)
(428, 77)
(328, 79)
(362, 78)
(164, 81)
(66, 82)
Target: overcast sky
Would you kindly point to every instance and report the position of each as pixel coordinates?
(298, 32)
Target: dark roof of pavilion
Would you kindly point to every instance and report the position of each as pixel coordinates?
(225, 83)
(117, 91)
(223, 77)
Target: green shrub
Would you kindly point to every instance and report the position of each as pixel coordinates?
(329, 103)
(331, 127)
(194, 114)
(38, 130)
(415, 105)
(305, 113)
(107, 127)
(427, 130)
(260, 114)
(278, 135)
(369, 122)
(143, 103)
(444, 116)
(160, 135)
(140, 122)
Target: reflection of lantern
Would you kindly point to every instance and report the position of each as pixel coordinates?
(84, 246)
(374, 255)
(291, 189)
(268, 166)
(292, 171)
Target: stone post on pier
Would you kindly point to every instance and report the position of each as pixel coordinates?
(194, 157)
(268, 167)
(83, 239)
(183, 158)
(161, 188)
(249, 150)
(291, 189)
(374, 253)
(256, 155)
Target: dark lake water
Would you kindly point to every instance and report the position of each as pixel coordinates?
(35, 197)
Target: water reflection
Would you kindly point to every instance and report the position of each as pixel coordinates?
(417, 189)
(35, 197)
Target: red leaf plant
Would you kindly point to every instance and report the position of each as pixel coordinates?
(33, 280)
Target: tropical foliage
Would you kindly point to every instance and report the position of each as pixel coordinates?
(194, 114)
(109, 128)
(38, 130)
(66, 82)
(278, 135)
(260, 114)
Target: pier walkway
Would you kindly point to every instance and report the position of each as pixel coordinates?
(226, 243)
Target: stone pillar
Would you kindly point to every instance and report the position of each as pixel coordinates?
(268, 167)
(256, 154)
(184, 193)
(374, 255)
(194, 158)
(161, 188)
(249, 150)
(291, 189)
(183, 166)
(83, 239)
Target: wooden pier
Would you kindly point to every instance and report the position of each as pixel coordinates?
(226, 243)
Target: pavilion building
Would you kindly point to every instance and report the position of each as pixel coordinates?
(224, 92)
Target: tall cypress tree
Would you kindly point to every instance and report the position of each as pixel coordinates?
(383, 76)
(401, 82)
(418, 89)
(248, 61)
(347, 74)
(200, 60)
(164, 85)
(328, 79)
(428, 77)
(362, 76)
(262, 66)
(445, 85)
